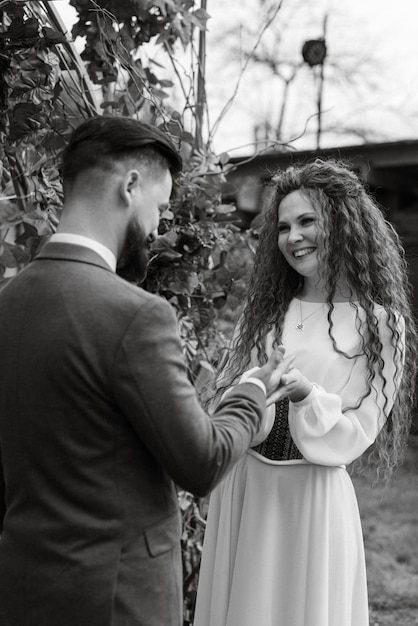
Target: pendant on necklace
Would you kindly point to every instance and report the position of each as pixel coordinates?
(299, 327)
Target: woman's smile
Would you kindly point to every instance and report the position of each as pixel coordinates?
(302, 252)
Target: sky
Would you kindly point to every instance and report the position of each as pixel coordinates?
(370, 74)
(380, 93)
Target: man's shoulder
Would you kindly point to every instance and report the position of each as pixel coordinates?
(135, 292)
(127, 295)
(140, 312)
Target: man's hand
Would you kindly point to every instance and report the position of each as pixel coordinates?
(271, 374)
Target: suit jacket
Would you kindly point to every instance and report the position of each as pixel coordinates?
(98, 422)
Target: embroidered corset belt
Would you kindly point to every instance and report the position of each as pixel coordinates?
(279, 445)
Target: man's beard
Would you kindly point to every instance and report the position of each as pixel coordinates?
(134, 258)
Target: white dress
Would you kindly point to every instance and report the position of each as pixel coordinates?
(283, 543)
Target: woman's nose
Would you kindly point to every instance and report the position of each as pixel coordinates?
(295, 234)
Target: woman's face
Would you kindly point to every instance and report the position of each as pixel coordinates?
(300, 239)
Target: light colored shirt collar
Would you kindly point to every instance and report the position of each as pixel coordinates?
(79, 240)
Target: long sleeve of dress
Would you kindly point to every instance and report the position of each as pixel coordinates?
(336, 428)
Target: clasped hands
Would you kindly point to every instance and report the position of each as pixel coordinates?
(281, 379)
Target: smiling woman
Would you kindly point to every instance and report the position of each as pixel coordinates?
(283, 542)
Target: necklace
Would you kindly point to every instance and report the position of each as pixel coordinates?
(301, 325)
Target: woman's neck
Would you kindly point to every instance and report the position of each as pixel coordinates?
(314, 291)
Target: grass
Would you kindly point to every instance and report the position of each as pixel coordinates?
(390, 526)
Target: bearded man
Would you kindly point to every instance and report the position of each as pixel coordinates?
(98, 420)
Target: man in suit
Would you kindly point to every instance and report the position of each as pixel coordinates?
(98, 420)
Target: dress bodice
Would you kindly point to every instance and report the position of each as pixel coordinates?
(279, 445)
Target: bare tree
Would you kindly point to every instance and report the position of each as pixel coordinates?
(297, 89)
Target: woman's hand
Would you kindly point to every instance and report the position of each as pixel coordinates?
(296, 385)
(272, 374)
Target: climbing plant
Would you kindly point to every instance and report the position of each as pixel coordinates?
(47, 91)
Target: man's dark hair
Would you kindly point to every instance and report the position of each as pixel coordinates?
(101, 141)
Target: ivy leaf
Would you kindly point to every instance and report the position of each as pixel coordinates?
(159, 93)
(200, 18)
(165, 83)
(39, 220)
(29, 231)
(20, 29)
(164, 246)
(26, 119)
(168, 239)
(169, 255)
(152, 78)
(52, 36)
(9, 216)
(78, 30)
(187, 137)
(184, 283)
(13, 256)
(15, 7)
(224, 159)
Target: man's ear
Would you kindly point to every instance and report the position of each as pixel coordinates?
(130, 183)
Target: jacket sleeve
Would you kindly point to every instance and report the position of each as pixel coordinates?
(153, 390)
(331, 429)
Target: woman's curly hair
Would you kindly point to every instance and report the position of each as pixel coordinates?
(359, 239)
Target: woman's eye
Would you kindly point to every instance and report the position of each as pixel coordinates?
(307, 220)
(283, 228)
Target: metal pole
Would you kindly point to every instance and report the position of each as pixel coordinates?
(321, 91)
(201, 92)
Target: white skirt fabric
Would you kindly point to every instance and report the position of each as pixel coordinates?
(283, 547)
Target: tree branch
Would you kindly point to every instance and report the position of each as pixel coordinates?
(243, 69)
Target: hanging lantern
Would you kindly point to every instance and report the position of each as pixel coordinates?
(314, 52)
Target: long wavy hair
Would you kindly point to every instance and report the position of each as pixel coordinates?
(359, 239)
